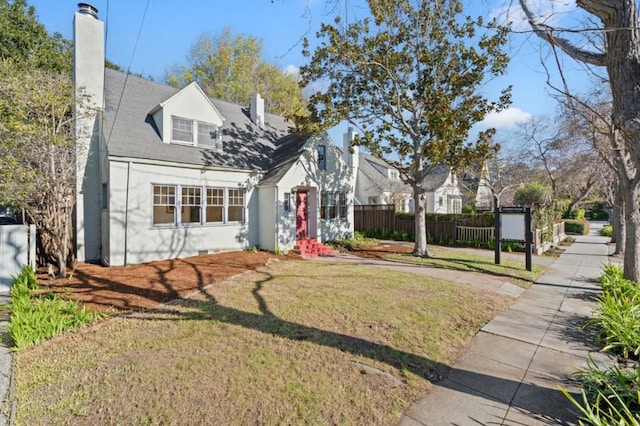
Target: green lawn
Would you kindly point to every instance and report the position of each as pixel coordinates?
(299, 343)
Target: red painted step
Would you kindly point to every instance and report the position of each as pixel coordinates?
(310, 247)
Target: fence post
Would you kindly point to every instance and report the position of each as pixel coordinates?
(497, 232)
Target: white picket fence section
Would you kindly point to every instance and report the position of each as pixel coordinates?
(468, 234)
(17, 249)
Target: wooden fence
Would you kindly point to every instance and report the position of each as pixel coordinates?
(381, 221)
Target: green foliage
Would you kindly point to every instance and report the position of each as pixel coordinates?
(580, 227)
(510, 246)
(612, 396)
(26, 42)
(618, 313)
(467, 209)
(410, 78)
(596, 210)
(37, 152)
(38, 318)
(607, 231)
(576, 214)
(531, 194)
(229, 67)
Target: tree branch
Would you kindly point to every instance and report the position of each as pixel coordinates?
(546, 33)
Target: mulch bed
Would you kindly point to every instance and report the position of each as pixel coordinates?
(146, 285)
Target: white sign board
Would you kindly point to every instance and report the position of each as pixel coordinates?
(513, 227)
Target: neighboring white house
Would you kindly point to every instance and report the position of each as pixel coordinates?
(377, 182)
(167, 173)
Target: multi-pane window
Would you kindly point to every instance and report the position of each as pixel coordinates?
(181, 130)
(209, 135)
(193, 132)
(215, 205)
(197, 205)
(235, 209)
(322, 157)
(164, 201)
(191, 204)
(333, 205)
(287, 202)
(342, 205)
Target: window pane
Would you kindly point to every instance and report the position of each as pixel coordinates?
(236, 214)
(287, 202)
(236, 205)
(331, 201)
(322, 157)
(208, 136)
(163, 214)
(323, 205)
(181, 130)
(342, 205)
(215, 205)
(164, 199)
(191, 205)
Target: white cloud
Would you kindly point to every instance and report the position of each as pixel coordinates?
(507, 118)
(291, 69)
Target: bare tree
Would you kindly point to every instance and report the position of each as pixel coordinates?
(618, 51)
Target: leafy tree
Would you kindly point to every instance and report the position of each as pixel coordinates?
(409, 79)
(229, 67)
(37, 155)
(25, 39)
(618, 52)
(533, 193)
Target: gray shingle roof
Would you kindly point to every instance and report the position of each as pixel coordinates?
(131, 131)
(284, 157)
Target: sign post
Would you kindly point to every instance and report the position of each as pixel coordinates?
(514, 223)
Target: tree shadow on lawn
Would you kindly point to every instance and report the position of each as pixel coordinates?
(466, 382)
(465, 266)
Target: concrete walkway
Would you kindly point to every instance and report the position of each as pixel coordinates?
(510, 373)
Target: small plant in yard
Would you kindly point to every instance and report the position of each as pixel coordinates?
(37, 318)
(607, 231)
(612, 396)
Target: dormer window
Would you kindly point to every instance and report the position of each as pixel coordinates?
(207, 135)
(182, 130)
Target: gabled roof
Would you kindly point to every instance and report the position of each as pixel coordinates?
(372, 167)
(284, 157)
(129, 129)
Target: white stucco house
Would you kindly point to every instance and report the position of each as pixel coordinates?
(377, 182)
(169, 173)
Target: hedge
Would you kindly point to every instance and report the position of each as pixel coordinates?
(580, 227)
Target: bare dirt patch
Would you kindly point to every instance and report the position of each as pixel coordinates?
(142, 286)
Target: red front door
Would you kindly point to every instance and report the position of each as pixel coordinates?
(302, 216)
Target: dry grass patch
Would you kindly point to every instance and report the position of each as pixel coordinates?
(296, 343)
(513, 271)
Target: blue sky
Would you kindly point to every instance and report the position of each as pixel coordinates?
(170, 28)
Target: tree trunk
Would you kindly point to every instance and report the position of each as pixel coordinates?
(617, 219)
(419, 199)
(632, 233)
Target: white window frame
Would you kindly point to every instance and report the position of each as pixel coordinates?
(197, 131)
(175, 201)
(192, 198)
(186, 121)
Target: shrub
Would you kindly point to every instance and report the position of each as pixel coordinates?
(575, 214)
(607, 231)
(580, 227)
(37, 318)
(467, 209)
(618, 313)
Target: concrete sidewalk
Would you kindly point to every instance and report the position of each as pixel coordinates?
(510, 373)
